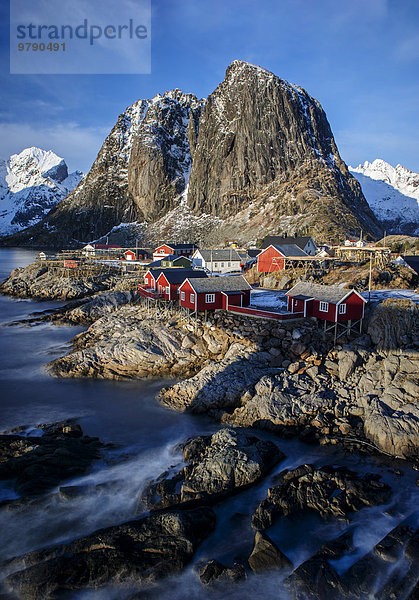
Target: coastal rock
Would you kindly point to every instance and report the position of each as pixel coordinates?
(316, 578)
(217, 466)
(36, 281)
(389, 570)
(387, 393)
(98, 306)
(138, 551)
(394, 323)
(266, 555)
(282, 401)
(347, 363)
(127, 343)
(214, 571)
(219, 385)
(328, 491)
(38, 464)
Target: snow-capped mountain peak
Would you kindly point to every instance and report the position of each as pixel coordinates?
(31, 184)
(392, 193)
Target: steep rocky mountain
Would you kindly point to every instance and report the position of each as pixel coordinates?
(139, 174)
(257, 157)
(31, 184)
(392, 193)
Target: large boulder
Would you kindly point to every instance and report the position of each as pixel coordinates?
(220, 384)
(387, 393)
(217, 466)
(282, 401)
(266, 555)
(138, 551)
(37, 464)
(329, 491)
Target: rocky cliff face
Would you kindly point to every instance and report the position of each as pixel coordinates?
(263, 140)
(161, 156)
(257, 157)
(139, 174)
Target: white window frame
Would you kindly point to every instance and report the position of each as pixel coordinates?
(192, 297)
(342, 309)
(323, 306)
(168, 290)
(182, 295)
(209, 298)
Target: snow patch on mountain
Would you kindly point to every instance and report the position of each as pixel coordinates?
(31, 184)
(392, 193)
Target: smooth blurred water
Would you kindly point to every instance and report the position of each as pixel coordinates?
(127, 414)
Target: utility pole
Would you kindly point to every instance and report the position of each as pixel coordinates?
(369, 280)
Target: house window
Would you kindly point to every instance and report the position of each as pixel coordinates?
(215, 265)
(182, 296)
(209, 298)
(192, 297)
(342, 309)
(167, 290)
(324, 306)
(222, 264)
(229, 264)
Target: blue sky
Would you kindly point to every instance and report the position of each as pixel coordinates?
(359, 58)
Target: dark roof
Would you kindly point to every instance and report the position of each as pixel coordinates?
(301, 297)
(177, 275)
(223, 254)
(174, 258)
(412, 261)
(155, 272)
(325, 293)
(154, 264)
(290, 250)
(279, 240)
(177, 246)
(233, 283)
(253, 252)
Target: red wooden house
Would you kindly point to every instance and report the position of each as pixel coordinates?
(129, 255)
(150, 278)
(169, 281)
(175, 249)
(273, 257)
(326, 302)
(216, 292)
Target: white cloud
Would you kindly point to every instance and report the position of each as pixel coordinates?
(76, 144)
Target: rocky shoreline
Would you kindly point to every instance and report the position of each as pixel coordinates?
(283, 377)
(256, 378)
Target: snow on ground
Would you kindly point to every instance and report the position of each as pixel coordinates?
(271, 299)
(377, 295)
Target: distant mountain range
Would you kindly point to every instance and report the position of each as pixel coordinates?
(254, 158)
(31, 184)
(392, 193)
